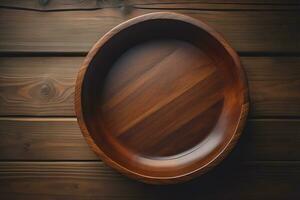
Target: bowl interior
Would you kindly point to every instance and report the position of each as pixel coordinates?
(162, 98)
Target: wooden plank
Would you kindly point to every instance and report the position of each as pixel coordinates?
(280, 2)
(61, 139)
(38, 85)
(76, 31)
(93, 180)
(196, 5)
(43, 139)
(92, 4)
(64, 5)
(274, 85)
(51, 5)
(44, 86)
(270, 139)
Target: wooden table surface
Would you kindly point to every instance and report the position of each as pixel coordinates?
(43, 154)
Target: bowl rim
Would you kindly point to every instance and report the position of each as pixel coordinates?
(154, 179)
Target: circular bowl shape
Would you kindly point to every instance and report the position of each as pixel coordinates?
(161, 98)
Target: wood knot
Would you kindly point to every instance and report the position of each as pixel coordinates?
(125, 8)
(26, 146)
(44, 2)
(46, 90)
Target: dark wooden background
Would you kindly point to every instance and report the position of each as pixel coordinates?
(43, 154)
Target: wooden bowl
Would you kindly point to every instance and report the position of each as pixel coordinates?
(161, 98)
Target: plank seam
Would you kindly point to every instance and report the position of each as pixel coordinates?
(84, 53)
(73, 118)
(140, 6)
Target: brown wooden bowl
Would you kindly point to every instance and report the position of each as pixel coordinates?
(161, 98)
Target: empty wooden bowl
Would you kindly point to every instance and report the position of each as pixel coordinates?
(161, 98)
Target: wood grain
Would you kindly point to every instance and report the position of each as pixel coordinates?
(273, 2)
(160, 119)
(38, 85)
(68, 5)
(254, 27)
(247, 31)
(274, 84)
(43, 139)
(44, 86)
(55, 5)
(225, 5)
(60, 139)
(93, 4)
(93, 180)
